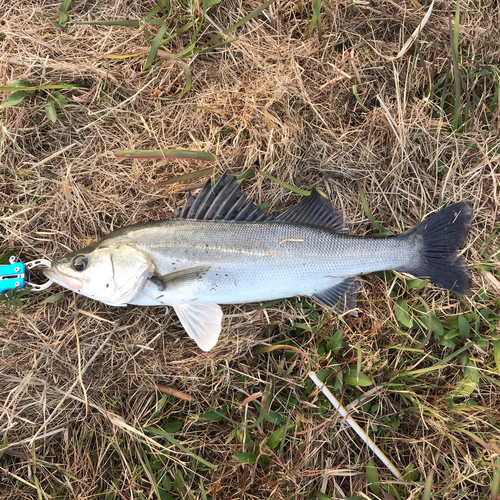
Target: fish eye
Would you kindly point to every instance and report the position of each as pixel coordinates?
(80, 262)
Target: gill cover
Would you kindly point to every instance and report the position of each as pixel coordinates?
(111, 274)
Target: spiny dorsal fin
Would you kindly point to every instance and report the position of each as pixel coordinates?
(187, 206)
(316, 210)
(222, 201)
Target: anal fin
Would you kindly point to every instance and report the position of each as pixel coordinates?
(202, 321)
(341, 297)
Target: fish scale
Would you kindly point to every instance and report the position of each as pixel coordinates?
(289, 259)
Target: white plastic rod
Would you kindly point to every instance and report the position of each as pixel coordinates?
(361, 433)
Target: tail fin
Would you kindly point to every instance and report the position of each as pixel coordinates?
(441, 237)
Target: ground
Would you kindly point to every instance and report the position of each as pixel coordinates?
(389, 121)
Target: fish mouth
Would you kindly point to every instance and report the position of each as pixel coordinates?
(63, 279)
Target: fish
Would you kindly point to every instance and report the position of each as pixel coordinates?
(222, 249)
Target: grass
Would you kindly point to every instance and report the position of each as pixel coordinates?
(53, 99)
(150, 99)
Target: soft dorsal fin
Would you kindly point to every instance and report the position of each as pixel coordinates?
(222, 201)
(316, 210)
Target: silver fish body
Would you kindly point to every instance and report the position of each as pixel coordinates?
(256, 261)
(221, 249)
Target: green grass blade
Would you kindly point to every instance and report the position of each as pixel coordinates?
(4, 258)
(192, 187)
(241, 22)
(303, 192)
(143, 458)
(203, 493)
(187, 177)
(152, 13)
(187, 72)
(125, 56)
(18, 85)
(55, 467)
(321, 496)
(54, 23)
(496, 353)
(164, 6)
(4, 444)
(440, 363)
(160, 6)
(262, 416)
(416, 55)
(185, 28)
(63, 13)
(445, 88)
(316, 17)
(163, 42)
(382, 229)
(495, 483)
(246, 457)
(282, 443)
(53, 299)
(456, 72)
(11, 87)
(358, 366)
(270, 304)
(428, 487)
(209, 3)
(118, 22)
(249, 174)
(355, 92)
(37, 486)
(124, 22)
(189, 50)
(155, 46)
(494, 101)
(165, 153)
(197, 29)
(217, 45)
(160, 432)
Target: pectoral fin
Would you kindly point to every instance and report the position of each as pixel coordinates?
(180, 278)
(202, 321)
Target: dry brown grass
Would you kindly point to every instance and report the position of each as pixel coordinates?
(76, 376)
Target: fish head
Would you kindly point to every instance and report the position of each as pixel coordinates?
(113, 274)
